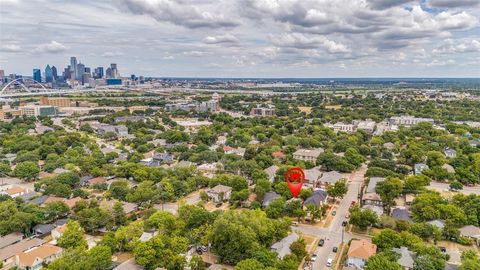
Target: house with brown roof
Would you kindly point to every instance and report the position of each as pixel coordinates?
(34, 258)
(359, 252)
(96, 180)
(72, 202)
(7, 254)
(10, 239)
(14, 191)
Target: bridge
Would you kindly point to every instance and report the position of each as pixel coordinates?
(37, 92)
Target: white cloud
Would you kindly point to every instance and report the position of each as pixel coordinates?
(301, 41)
(462, 46)
(112, 54)
(52, 47)
(10, 48)
(227, 38)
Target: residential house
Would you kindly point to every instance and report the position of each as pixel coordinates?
(437, 223)
(219, 193)
(10, 239)
(72, 202)
(129, 265)
(271, 172)
(366, 125)
(359, 252)
(312, 176)
(349, 128)
(450, 153)
(120, 130)
(58, 231)
(268, 198)
(401, 213)
(35, 258)
(209, 169)
(472, 232)
(278, 155)
(307, 154)
(282, 247)
(389, 145)
(474, 143)
(329, 178)
(96, 181)
(158, 159)
(14, 191)
(407, 258)
(7, 254)
(318, 198)
(85, 179)
(128, 208)
(234, 151)
(408, 120)
(370, 196)
(375, 208)
(448, 167)
(29, 195)
(42, 230)
(420, 167)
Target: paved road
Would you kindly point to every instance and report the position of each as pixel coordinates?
(333, 234)
(444, 186)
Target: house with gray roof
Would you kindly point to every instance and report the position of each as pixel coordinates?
(271, 172)
(471, 231)
(312, 176)
(330, 178)
(407, 258)
(318, 198)
(282, 247)
(307, 154)
(437, 223)
(450, 153)
(420, 167)
(401, 213)
(269, 197)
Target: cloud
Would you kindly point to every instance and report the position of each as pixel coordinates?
(10, 48)
(464, 46)
(178, 12)
(384, 4)
(112, 54)
(300, 41)
(452, 3)
(52, 47)
(196, 53)
(227, 38)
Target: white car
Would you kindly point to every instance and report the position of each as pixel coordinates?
(329, 262)
(314, 257)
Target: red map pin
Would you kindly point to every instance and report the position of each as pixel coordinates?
(295, 178)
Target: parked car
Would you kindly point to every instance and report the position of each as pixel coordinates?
(294, 223)
(321, 242)
(334, 213)
(335, 249)
(314, 257)
(218, 204)
(443, 249)
(329, 262)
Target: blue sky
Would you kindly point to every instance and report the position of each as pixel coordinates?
(246, 38)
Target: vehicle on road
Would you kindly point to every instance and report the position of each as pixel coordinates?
(334, 213)
(443, 249)
(329, 262)
(218, 205)
(314, 257)
(294, 223)
(321, 242)
(344, 223)
(334, 249)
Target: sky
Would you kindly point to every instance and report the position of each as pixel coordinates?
(245, 38)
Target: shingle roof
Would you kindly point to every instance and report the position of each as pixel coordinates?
(11, 250)
(9, 239)
(372, 183)
(406, 257)
(317, 197)
(362, 249)
(331, 177)
(268, 198)
(282, 247)
(42, 252)
(470, 231)
(401, 214)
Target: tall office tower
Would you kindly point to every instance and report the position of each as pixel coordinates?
(66, 73)
(73, 65)
(2, 73)
(80, 71)
(98, 73)
(115, 74)
(54, 73)
(88, 70)
(109, 73)
(37, 76)
(48, 74)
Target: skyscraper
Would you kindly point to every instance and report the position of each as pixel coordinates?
(98, 73)
(48, 74)
(73, 65)
(80, 71)
(37, 75)
(115, 74)
(54, 73)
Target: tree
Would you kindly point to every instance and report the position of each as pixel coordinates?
(470, 260)
(27, 170)
(388, 190)
(387, 239)
(381, 262)
(456, 185)
(415, 182)
(363, 218)
(276, 208)
(314, 211)
(119, 190)
(339, 189)
(249, 264)
(298, 248)
(119, 216)
(56, 210)
(72, 237)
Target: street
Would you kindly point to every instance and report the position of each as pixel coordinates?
(445, 186)
(333, 234)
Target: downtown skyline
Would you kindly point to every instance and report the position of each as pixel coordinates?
(164, 38)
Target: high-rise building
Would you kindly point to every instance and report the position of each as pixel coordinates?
(48, 74)
(80, 71)
(2, 73)
(37, 75)
(115, 73)
(109, 73)
(98, 73)
(73, 65)
(66, 73)
(54, 73)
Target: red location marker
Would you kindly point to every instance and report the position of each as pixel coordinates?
(295, 178)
